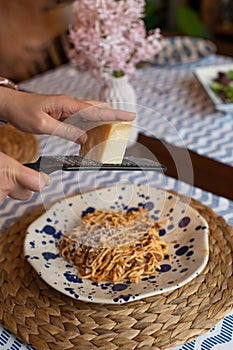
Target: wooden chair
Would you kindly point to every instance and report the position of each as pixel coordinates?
(49, 56)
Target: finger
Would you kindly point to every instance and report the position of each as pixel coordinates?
(100, 111)
(27, 181)
(31, 179)
(65, 130)
(97, 113)
(100, 104)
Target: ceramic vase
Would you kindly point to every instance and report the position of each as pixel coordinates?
(120, 94)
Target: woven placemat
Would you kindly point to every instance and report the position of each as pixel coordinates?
(47, 319)
(17, 144)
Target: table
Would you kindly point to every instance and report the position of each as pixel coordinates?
(65, 79)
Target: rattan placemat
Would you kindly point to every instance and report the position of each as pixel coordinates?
(47, 319)
(17, 144)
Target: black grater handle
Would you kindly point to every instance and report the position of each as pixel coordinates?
(49, 164)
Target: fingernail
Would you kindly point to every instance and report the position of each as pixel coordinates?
(132, 115)
(128, 115)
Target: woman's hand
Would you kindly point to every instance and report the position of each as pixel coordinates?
(18, 181)
(45, 114)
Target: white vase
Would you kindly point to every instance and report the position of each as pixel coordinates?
(120, 94)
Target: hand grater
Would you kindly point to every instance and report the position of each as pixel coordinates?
(49, 164)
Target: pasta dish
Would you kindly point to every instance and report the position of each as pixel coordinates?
(115, 246)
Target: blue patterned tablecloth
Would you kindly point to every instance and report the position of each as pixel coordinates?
(188, 117)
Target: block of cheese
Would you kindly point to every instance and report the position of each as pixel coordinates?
(106, 141)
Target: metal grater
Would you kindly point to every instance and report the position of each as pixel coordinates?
(49, 164)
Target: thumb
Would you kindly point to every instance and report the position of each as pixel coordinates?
(65, 130)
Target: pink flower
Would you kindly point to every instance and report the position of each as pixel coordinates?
(109, 37)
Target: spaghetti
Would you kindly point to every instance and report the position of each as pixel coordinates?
(115, 246)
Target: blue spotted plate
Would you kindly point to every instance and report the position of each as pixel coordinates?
(186, 232)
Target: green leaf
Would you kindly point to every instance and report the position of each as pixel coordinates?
(215, 86)
(189, 22)
(152, 18)
(230, 75)
(118, 74)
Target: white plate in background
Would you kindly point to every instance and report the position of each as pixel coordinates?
(206, 75)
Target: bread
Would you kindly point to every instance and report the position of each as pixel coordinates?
(106, 141)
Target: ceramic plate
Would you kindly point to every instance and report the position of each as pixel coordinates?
(182, 50)
(206, 75)
(186, 232)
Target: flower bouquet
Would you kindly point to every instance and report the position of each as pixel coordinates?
(109, 37)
